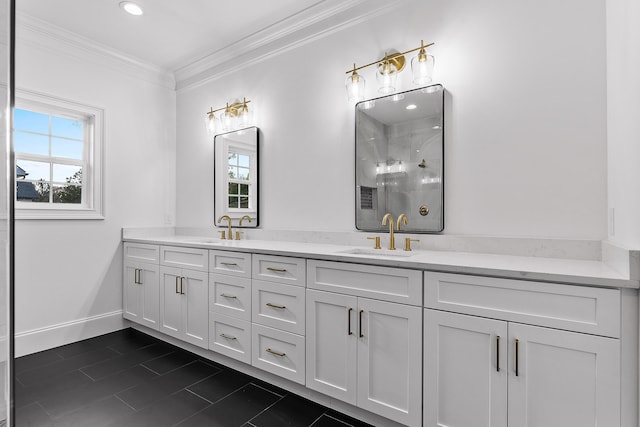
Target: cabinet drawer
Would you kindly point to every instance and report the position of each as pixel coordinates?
(384, 283)
(141, 252)
(230, 296)
(191, 258)
(279, 269)
(281, 353)
(231, 263)
(279, 306)
(575, 308)
(230, 336)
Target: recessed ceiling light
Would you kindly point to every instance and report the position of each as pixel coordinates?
(411, 107)
(131, 7)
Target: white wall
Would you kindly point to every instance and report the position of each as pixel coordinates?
(623, 97)
(525, 119)
(69, 270)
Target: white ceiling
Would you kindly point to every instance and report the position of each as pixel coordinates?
(171, 33)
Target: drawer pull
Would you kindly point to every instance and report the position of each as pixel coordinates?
(277, 353)
(277, 270)
(228, 296)
(517, 355)
(498, 353)
(181, 286)
(360, 325)
(349, 331)
(280, 307)
(177, 280)
(229, 264)
(229, 337)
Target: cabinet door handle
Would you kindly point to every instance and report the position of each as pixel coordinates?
(281, 307)
(277, 353)
(228, 296)
(135, 276)
(498, 353)
(229, 337)
(360, 324)
(177, 280)
(517, 355)
(181, 286)
(229, 264)
(349, 331)
(139, 276)
(277, 270)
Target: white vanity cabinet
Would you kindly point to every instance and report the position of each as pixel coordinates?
(278, 318)
(230, 304)
(141, 302)
(497, 371)
(184, 310)
(362, 349)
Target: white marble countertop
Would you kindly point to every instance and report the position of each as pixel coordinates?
(557, 270)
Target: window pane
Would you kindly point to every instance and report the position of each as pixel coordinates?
(67, 173)
(243, 160)
(31, 121)
(243, 174)
(233, 202)
(244, 189)
(35, 170)
(68, 128)
(233, 188)
(244, 202)
(66, 148)
(233, 172)
(31, 143)
(233, 159)
(42, 191)
(67, 194)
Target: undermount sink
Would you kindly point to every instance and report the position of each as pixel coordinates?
(211, 240)
(378, 252)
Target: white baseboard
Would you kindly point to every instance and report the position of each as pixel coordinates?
(65, 333)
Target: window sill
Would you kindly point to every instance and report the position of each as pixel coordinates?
(57, 214)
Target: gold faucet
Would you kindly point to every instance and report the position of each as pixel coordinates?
(402, 219)
(392, 238)
(228, 218)
(248, 218)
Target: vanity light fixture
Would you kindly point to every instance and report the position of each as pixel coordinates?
(131, 8)
(234, 116)
(388, 69)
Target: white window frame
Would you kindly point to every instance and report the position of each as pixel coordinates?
(92, 175)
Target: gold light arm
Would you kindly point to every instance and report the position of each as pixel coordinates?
(389, 57)
(233, 108)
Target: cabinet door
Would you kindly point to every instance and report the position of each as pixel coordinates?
(195, 307)
(564, 379)
(170, 302)
(389, 365)
(149, 283)
(132, 293)
(465, 370)
(331, 344)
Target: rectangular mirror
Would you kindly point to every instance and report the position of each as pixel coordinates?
(236, 176)
(400, 159)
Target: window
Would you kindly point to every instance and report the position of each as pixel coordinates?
(239, 183)
(58, 147)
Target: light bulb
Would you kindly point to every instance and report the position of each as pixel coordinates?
(387, 76)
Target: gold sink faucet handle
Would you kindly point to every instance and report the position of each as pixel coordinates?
(407, 243)
(392, 239)
(228, 218)
(377, 241)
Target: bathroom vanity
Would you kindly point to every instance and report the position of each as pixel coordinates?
(430, 339)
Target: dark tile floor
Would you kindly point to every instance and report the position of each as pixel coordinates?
(128, 378)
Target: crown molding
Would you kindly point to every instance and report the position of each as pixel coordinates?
(318, 21)
(44, 35)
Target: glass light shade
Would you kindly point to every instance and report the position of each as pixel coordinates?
(355, 87)
(387, 76)
(210, 125)
(228, 121)
(422, 68)
(245, 117)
